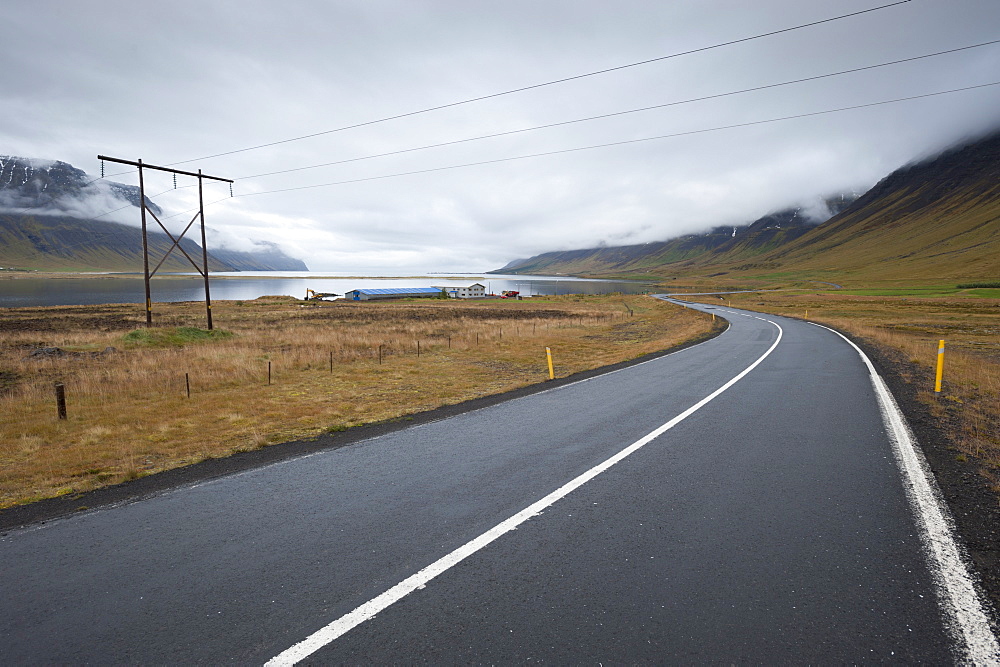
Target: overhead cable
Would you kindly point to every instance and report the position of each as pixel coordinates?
(625, 142)
(617, 113)
(606, 145)
(549, 83)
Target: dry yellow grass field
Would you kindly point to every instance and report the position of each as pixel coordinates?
(129, 413)
(907, 329)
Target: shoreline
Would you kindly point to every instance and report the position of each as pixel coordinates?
(17, 275)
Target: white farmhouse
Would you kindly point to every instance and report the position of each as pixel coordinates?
(474, 291)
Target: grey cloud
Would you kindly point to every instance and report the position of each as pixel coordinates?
(168, 82)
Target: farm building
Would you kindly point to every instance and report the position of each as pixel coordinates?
(392, 293)
(473, 291)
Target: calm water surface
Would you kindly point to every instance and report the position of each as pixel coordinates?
(23, 292)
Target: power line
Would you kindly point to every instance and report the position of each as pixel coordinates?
(589, 118)
(608, 145)
(620, 113)
(605, 145)
(547, 83)
(623, 143)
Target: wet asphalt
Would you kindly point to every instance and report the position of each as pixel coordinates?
(769, 526)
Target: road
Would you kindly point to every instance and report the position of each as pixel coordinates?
(739, 501)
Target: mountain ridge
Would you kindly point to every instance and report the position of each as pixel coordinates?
(47, 221)
(938, 217)
(739, 241)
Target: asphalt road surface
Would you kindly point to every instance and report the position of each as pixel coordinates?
(739, 501)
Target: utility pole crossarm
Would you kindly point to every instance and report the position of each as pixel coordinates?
(144, 207)
(166, 169)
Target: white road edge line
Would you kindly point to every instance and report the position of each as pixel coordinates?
(368, 610)
(960, 602)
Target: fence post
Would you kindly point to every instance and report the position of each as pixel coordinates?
(61, 400)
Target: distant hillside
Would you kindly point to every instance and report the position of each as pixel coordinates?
(268, 258)
(46, 223)
(734, 243)
(938, 219)
(53, 243)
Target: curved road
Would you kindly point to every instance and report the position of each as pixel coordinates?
(738, 501)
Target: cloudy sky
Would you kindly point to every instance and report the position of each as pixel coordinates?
(180, 81)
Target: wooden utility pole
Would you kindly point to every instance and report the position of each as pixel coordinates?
(147, 274)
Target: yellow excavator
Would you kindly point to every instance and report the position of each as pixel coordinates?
(312, 295)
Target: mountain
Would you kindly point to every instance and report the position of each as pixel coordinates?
(740, 242)
(935, 219)
(53, 243)
(58, 187)
(267, 257)
(50, 220)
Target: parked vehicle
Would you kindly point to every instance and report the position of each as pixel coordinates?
(312, 295)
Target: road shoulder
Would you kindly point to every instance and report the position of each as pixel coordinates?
(974, 508)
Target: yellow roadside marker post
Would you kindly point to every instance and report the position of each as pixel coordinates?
(548, 355)
(940, 368)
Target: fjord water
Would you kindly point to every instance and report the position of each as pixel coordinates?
(74, 291)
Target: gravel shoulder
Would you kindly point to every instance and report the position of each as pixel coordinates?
(974, 507)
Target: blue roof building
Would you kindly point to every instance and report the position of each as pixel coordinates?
(372, 294)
